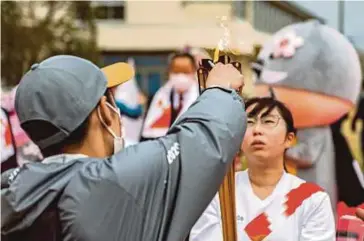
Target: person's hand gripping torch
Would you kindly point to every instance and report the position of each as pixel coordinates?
(227, 189)
(207, 64)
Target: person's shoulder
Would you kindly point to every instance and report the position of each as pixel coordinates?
(93, 180)
(299, 183)
(295, 181)
(89, 168)
(309, 193)
(90, 172)
(149, 159)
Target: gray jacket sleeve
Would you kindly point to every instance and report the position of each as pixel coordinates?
(174, 178)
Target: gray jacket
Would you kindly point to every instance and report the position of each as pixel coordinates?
(155, 190)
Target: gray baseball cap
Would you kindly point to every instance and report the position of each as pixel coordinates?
(63, 90)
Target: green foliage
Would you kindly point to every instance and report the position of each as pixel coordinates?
(32, 31)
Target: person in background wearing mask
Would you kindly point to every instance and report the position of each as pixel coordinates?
(172, 99)
(89, 184)
(271, 204)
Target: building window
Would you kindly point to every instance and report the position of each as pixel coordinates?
(269, 18)
(154, 82)
(109, 9)
(151, 69)
(239, 8)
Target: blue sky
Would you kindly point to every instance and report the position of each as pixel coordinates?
(354, 17)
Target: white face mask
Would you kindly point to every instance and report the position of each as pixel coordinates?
(118, 140)
(181, 82)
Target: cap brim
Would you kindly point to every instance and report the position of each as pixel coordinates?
(118, 73)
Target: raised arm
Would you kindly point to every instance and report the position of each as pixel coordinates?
(176, 177)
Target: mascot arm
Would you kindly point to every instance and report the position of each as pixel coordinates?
(310, 143)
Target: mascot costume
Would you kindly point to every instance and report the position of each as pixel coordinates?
(315, 71)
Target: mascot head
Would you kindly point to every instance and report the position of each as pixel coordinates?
(313, 69)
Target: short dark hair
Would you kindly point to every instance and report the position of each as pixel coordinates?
(269, 104)
(182, 55)
(39, 130)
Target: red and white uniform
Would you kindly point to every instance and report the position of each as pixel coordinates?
(158, 118)
(295, 210)
(7, 145)
(26, 150)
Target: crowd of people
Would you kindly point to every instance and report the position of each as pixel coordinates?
(83, 143)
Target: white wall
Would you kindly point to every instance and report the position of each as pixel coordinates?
(167, 25)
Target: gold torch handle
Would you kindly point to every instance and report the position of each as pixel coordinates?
(227, 193)
(227, 189)
(227, 204)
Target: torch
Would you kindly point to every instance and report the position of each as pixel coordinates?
(227, 189)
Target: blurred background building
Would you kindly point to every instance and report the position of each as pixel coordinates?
(106, 32)
(149, 31)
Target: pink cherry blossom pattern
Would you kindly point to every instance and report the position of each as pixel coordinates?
(285, 46)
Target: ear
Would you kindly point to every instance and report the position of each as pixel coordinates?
(290, 140)
(105, 111)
